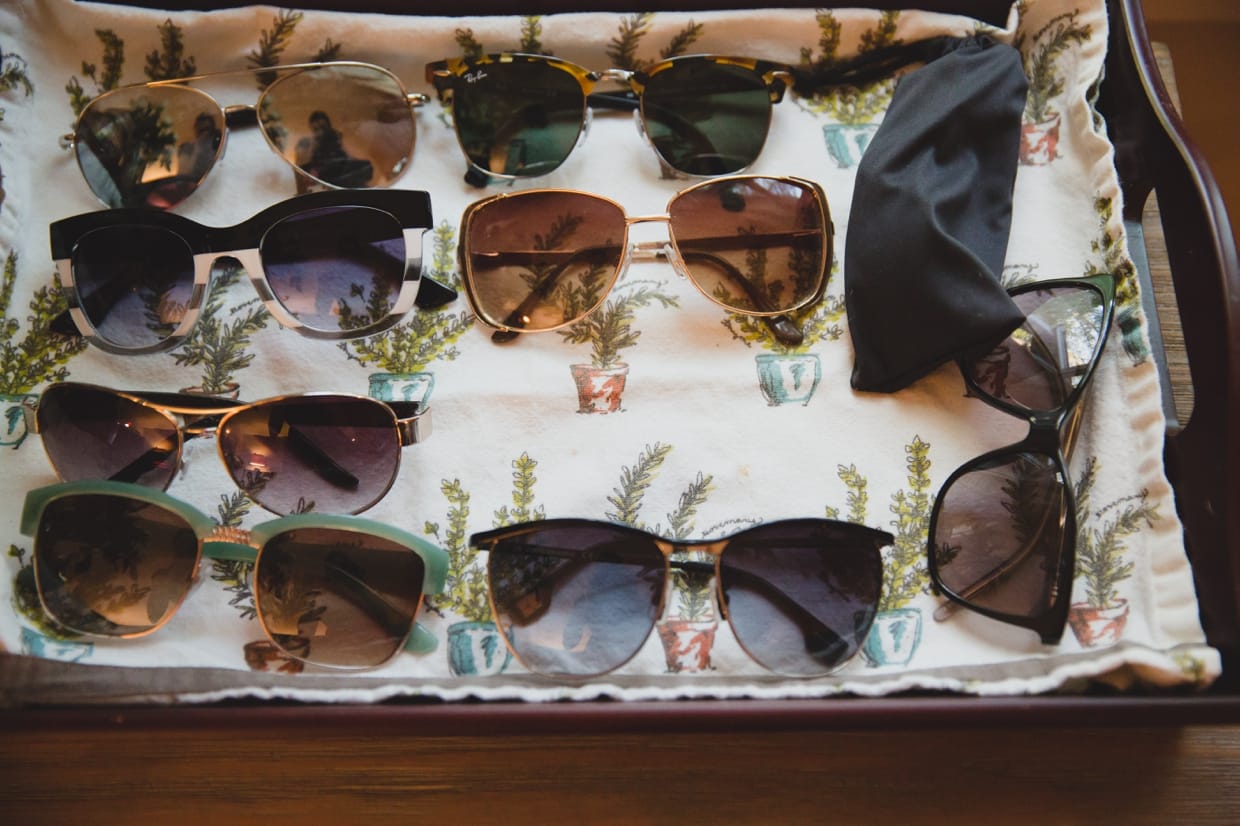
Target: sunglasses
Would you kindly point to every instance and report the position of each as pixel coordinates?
(1003, 527)
(327, 451)
(540, 260)
(339, 124)
(576, 598)
(520, 115)
(330, 265)
(117, 560)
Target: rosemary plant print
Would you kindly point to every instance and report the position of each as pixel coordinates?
(852, 112)
(1101, 547)
(405, 354)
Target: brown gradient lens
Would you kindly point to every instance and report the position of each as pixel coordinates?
(754, 245)
(1040, 364)
(1000, 533)
(540, 260)
(347, 126)
(576, 600)
(93, 433)
(148, 146)
(801, 595)
(337, 598)
(322, 452)
(112, 566)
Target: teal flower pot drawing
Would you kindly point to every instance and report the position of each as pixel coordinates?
(788, 378)
(847, 142)
(476, 650)
(39, 645)
(894, 637)
(13, 430)
(402, 387)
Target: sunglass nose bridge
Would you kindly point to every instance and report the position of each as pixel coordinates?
(240, 116)
(690, 585)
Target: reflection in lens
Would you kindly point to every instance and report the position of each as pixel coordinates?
(336, 268)
(92, 433)
(540, 260)
(706, 118)
(576, 600)
(337, 598)
(347, 126)
(1001, 533)
(520, 118)
(754, 245)
(112, 566)
(323, 452)
(1039, 365)
(801, 595)
(134, 282)
(148, 146)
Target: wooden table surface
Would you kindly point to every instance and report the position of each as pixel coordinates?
(115, 765)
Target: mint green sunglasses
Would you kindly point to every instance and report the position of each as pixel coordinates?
(117, 560)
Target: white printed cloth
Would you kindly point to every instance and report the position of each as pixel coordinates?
(715, 427)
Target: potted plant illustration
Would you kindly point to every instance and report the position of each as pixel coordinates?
(852, 110)
(37, 357)
(788, 372)
(1039, 137)
(41, 637)
(1100, 620)
(475, 647)
(405, 352)
(687, 629)
(896, 633)
(609, 331)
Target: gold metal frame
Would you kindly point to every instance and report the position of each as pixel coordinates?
(646, 250)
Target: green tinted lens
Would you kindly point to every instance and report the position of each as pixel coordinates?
(706, 118)
(518, 119)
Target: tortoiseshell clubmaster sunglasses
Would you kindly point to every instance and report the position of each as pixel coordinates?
(520, 115)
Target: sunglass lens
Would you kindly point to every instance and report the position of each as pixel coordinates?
(1043, 362)
(520, 119)
(706, 118)
(754, 245)
(540, 260)
(111, 565)
(134, 283)
(1000, 534)
(336, 269)
(91, 433)
(337, 597)
(576, 600)
(325, 453)
(148, 146)
(801, 595)
(346, 126)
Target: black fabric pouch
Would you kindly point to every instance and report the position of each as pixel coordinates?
(932, 210)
